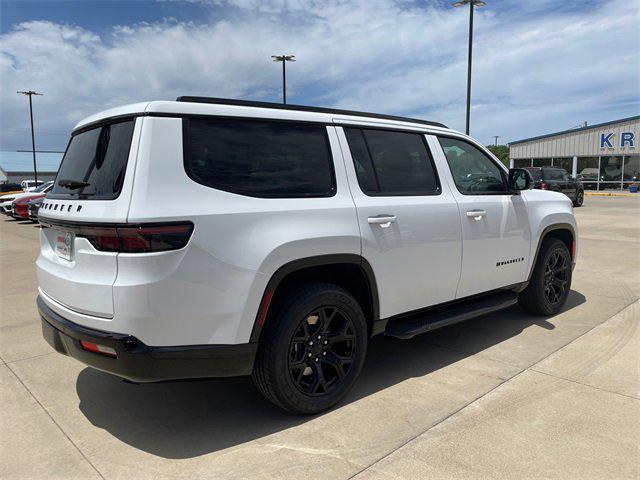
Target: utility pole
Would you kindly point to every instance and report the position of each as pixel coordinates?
(30, 93)
(472, 4)
(495, 138)
(284, 59)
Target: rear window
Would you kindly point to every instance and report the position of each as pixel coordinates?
(536, 173)
(259, 158)
(553, 174)
(94, 164)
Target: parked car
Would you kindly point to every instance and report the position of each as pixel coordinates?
(30, 185)
(33, 206)
(6, 201)
(292, 235)
(9, 188)
(558, 180)
(20, 206)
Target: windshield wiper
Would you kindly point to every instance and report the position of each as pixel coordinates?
(73, 184)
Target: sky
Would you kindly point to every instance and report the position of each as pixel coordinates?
(539, 66)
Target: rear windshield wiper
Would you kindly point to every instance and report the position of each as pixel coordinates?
(73, 184)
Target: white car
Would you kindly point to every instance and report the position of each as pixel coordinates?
(6, 201)
(214, 238)
(30, 185)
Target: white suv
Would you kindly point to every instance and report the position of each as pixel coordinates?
(213, 238)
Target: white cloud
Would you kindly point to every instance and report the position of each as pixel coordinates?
(532, 73)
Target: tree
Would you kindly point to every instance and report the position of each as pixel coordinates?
(500, 151)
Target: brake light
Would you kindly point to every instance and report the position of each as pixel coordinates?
(136, 238)
(544, 185)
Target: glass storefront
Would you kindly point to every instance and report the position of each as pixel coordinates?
(612, 172)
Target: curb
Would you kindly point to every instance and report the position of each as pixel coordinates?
(612, 194)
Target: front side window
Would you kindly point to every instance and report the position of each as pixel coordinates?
(259, 158)
(553, 174)
(392, 163)
(473, 172)
(94, 164)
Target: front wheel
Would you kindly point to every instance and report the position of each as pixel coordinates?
(312, 350)
(550, 281)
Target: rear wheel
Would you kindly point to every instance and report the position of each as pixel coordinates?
(579, 200)
(550, 281)
(312, 350)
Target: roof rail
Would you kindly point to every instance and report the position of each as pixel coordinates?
(302, 108)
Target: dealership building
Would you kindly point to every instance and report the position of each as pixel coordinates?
(603, 156)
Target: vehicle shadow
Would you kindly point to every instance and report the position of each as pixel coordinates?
(192, 418)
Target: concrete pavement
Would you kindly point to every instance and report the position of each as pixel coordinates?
(509, 395)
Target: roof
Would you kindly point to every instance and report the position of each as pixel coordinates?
(11, 162)
(244, 108)
(576, 130)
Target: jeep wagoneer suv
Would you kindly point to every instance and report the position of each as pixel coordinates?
(213, 238)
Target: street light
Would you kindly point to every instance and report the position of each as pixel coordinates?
(284, 59)
(30, 93)
(471, 3)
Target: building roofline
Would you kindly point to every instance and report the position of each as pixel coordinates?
(574, 130)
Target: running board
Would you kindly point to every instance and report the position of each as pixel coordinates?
(406, 328)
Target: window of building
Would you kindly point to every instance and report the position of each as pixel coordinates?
(610, 172)
(541, 162)
(259, 158)
(473, 172)
(587, 171)
(392, 163)
(632, 168)
(566, 163)
(521, 162)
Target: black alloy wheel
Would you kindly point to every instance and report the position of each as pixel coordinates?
(556, 277)
(322, 351)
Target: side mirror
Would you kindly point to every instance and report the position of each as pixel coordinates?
(519, 179)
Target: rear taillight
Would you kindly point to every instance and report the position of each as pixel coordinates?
(136, 238)
(544, 185)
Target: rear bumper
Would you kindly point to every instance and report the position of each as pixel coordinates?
(141, 363)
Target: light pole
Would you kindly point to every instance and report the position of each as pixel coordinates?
(284, 59)
(472, 3)
(496, 137)
(30, 93)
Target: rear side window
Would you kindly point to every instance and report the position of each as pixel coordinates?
(474, 173)
(392, 163)
(94, 164)
(259, 158)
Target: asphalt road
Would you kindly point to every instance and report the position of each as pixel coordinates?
(508, 395)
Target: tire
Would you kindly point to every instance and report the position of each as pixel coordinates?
(579, 200)
(547, 293)
(303, 378)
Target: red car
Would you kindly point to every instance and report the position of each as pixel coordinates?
(20, 207)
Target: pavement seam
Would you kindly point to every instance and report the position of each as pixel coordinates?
(54, 421)
(29, 358)
(435, 425)
(490, 391)
(583, 384)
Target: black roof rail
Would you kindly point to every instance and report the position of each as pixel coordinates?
(302, 108)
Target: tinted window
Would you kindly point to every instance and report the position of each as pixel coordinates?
(536, 173)
(553, 174)
(95, 161)
(392, 163)
(473, 172)
(259, 158)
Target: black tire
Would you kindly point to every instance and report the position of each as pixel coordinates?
(550, 281)
(309, 379)
(579, 200)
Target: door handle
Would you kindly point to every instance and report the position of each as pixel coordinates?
(383, 220)
(476, 214)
